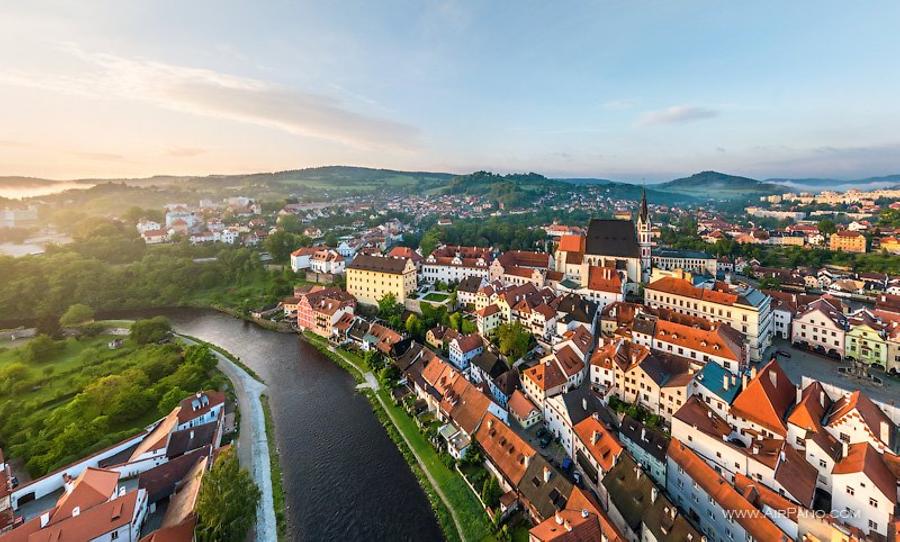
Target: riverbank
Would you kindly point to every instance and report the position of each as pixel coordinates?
(253, 444)
(458, 511)
(278, 497)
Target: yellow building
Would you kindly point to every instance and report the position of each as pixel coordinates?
(847, 241)
(370, 278)
(891, 244)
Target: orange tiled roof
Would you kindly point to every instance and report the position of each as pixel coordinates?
(604, 279)
(873, 416)
(755, 524)
(676, 286)
(506, 450)
(571, 243)
(862, 457)
(546, 375)
(767, 399)
(717, 342)
(520, 405)
(600, 443)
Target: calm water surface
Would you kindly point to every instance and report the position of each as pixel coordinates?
(344, 478)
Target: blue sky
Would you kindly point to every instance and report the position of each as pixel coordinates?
(624, 90)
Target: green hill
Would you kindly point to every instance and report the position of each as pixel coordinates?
(715, 185)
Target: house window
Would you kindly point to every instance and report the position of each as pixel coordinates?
(823, 464)
(873, 526)
(850, 490)
(873, 502)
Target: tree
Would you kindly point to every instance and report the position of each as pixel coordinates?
(226, 506)
(150, 330)
(514, 340)
(827, 227)
(490, 492)
(171, 399)
(41, 349)
(290, 223)
(76, 314)
(414, 326)
(389, 309)
(430, 241)
(456, 321)
(281, 243)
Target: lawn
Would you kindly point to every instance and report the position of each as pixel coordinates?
(436, 297)
(67, 362)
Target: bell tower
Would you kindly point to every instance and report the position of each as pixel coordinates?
(645, 237)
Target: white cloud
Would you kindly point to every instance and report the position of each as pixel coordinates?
(677, 114)
(214, 94)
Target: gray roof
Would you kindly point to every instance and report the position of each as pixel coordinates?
(380, 264)
(616, 238)
(648, 439)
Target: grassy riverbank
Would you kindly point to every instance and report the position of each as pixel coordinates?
(472, 523)
(278, 498)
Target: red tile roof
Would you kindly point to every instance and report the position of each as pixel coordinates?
(727, 497)
(862, 457)
(601, 443)
(767, 399)
(505, 449)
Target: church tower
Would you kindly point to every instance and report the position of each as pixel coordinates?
(645, 237)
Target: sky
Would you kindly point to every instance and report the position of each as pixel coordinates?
(623, 90)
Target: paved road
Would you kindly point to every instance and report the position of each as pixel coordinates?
(252, 446)
(822, 368)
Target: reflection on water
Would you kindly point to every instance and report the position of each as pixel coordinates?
(344, 478)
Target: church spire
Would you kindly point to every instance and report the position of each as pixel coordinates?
(645, 213)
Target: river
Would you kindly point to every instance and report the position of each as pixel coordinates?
(344, 478)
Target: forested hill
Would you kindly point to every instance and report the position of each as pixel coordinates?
(714, 184)
(513, 190)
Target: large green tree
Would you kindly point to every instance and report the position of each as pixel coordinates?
(226, 506)
(76, 314)
(150, 330)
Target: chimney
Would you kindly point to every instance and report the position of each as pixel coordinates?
(45, 519)
(192, 434)
(584, 512)
(781, 456)
(567, 525)
(653, 494)
(584, 403)
(725, 380)
(76, 511)
(773, 378)
(755, 449)
(637, 473)
(752, 372)
(885, 432)
(644, 434)
(490, 424)
(744, 380)
(822, 398)
(546, 474)
(799, 394)
(558, 518)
